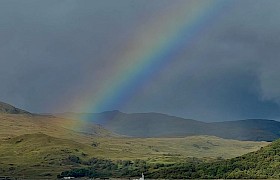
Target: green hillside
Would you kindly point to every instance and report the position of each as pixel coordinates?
(176, 149)
(43, 156)
(41, 147)
(37, 155)
(262, 164)
(18, 124)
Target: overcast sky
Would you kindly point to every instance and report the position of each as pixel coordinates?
(51, 50)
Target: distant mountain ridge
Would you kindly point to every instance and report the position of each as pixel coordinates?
(141, 124)
(9, 109)
(145, 125)
(52, 144)
(162, 125)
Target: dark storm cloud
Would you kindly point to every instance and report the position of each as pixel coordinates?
(47, 46)
(231, 72)
(50, 49)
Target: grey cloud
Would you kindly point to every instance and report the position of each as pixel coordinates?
(50, 50)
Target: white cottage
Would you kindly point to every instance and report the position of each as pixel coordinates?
(142, 178)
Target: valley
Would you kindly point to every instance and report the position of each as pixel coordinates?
(129, 89)
(43, 146)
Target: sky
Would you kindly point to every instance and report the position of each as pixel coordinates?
(55, 55)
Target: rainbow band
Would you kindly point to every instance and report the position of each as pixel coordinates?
(156, 44)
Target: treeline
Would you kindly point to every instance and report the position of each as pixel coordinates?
(103, 168)
(262, 164)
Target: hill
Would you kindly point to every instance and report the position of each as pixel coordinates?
(250, 129)
(18, 124)
(37, 155)
(15, 122)
(40, 156)
(115, 146)
(9, 109)
(262, 164)
(45, 145)
(142, 124)
(161, 125)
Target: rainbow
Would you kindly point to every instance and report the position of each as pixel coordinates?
(153, 47)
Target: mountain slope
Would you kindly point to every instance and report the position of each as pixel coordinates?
(117, 147)
(142, 124)
(12, 125)
(18, 124)
(262, 164)
(15, 121)
(39, 156)
(161, 125)
(250, 129)
(9, 109)
(39, 146)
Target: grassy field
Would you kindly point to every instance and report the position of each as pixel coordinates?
(14, 125)
(40, 155)
(173, 149)
(40, 147)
